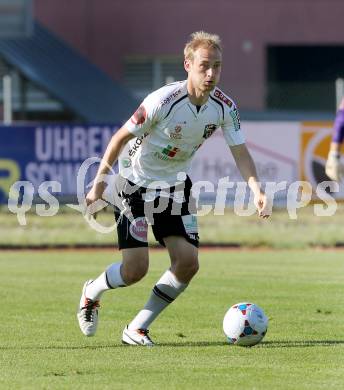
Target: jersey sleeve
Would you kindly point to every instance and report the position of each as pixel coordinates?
(231, 126)
(144, 118)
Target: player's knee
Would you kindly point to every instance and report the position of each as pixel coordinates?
(134, 274)
(193, 267)
(186, 268)
(135, 265)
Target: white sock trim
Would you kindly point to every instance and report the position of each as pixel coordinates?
(165, 291)
(170, 285)
(113, 276)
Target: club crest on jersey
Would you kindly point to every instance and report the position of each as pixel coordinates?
(139, 116)
(177, 133)
(223, 98)
(208, 130)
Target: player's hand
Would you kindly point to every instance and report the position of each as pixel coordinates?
(263, 205)
(333, 168)
(94, 199)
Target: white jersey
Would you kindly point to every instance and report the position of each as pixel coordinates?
(169, 129)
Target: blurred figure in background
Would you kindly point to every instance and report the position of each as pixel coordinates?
(334, 168)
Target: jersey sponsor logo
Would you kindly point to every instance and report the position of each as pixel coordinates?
(161, 156)
(236, 119)
(167, 153)
(139, 228)
(170, 151)
(171, 97)
(208, 130)
(137, 144)
(223, 98)
(139, 116)
(177, 133)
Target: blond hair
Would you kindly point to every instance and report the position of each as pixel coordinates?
(201, 39)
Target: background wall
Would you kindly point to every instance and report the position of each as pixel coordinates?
(106, 31)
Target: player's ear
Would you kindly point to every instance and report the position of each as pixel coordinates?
(187, 64)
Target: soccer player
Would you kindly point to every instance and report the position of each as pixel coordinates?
(161, 138)
(334, 168)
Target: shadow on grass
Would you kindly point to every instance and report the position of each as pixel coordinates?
(110, 346)
(264, 344)
(299, 343)
(195, 344)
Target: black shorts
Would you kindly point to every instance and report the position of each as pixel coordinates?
(171, 212)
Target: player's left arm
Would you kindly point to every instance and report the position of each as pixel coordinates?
(236, 141)
(247, 168)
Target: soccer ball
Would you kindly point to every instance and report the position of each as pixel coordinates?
(245, 324)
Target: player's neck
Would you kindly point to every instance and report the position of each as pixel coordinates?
(197, 97)
(198, 100)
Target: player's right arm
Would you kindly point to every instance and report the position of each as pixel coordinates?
(114, 148)
(334, 169)
(141, 122)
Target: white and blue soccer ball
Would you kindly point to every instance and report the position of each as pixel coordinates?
(245, 324)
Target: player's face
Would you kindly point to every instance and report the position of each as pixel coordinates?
(205, 69)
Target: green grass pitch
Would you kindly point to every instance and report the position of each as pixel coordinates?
(41, 346)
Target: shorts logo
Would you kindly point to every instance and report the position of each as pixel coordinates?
(208, 130)
(170, 151)
(139, 228)
(190, 224)
(139, 116)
